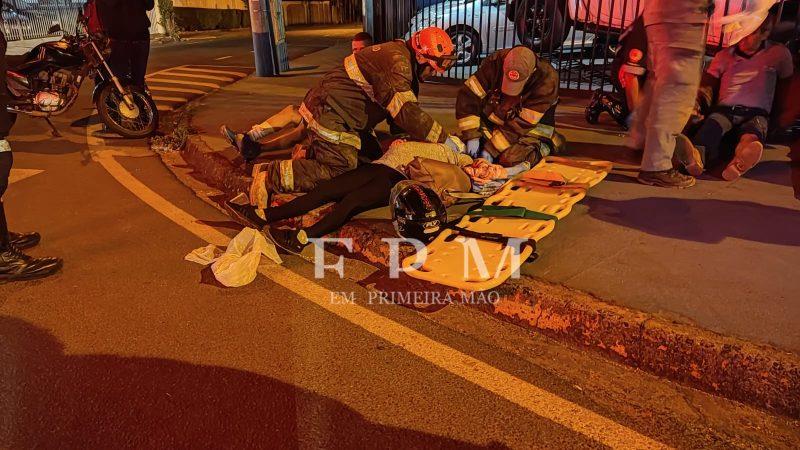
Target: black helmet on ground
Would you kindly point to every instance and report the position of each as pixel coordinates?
(417, 212)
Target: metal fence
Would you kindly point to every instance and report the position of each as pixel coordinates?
(30, 19)
(577, 36)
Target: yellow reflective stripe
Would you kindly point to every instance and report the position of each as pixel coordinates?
(542, 130)
(531, 116)
(499, 141)
(334, 137)
(398, 100)
(493, 118)
(475, 86)
(354, 72)
(469, 123)
(434, 133)
(287, 175)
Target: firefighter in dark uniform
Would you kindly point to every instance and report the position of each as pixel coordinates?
(15, 265)
(628, 75)
(376, 84)
(506, 110)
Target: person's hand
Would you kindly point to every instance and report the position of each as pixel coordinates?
(473, 147)
(455, 144)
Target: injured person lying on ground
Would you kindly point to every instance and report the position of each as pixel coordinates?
(368, 187)
(746, 78)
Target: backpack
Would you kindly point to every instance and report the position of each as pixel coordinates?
(92, 18)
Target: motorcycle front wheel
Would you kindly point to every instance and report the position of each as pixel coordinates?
(137, 122)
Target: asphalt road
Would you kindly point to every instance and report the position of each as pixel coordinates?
(131, 346)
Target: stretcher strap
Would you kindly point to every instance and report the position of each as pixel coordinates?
(604, 165)
(510, 211)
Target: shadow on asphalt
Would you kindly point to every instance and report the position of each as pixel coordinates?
(49, 398)
(701, 220)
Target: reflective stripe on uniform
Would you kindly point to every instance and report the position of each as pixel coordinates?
(494, 119)
(499, 141)
(398, 100)
(4, 146)
(334, 137)
(542, 130)
(287, 175)
(531, 116)
(469, 123)
(475, 86)
(434, 133)
(354, 72)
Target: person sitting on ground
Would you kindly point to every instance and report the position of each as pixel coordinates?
(506, 110)
(628, 74)
(361, 41)
(286, 128)
(367, 187)
(747, 77)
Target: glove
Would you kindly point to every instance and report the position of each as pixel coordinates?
(487, 156)
(4, 146)
(519, 168)
(455, 144)
(473, 147)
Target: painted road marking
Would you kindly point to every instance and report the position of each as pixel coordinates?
(160, 98)
(225, 72)
(528, 396)
(175, 73)
(176, 89)
(222, 58)
(162, 107)
(21, 174)
(184, 82)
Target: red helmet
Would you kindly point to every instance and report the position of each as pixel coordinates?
(434, 45)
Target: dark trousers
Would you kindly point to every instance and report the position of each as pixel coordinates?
(366, 187)
(129, 60)
(723, 120)
(6, 159)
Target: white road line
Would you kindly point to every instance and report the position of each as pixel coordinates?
(185, 82)
(162, 107)
(150, 75)
(516, 390)
(21, 174)
(176, 73)
(169, 99)
(224, 72)
(176, 89)
(223, 58)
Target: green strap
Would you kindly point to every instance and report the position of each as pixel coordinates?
(510, 211)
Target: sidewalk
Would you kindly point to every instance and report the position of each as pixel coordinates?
(720, 256)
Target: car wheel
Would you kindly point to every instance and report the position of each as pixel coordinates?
(542, 26)
(467, 43)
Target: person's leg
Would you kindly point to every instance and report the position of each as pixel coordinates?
(676, 79)
(139, 55)
(324, 161)
(750, 148)
(289, 115)
(333, 190)
(120, 59)
(709, 137)
(374, 195)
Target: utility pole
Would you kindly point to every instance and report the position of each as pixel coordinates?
(263, 39)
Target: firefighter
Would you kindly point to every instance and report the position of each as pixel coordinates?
(506, 110)
(379, 83)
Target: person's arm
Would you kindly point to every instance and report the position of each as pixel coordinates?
(393, 90)
(631, 91)
(470, 97)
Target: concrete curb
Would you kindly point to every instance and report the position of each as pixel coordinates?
(756, 374)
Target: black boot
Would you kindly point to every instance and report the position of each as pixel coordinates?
(617, 109)
(595, 107)
(24, 240)
(245, 215)
(17, 266)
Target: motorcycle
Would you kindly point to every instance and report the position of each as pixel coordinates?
(47, 83)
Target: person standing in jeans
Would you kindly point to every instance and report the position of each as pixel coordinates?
(676, 40)
(15, 265)
(126, 23)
